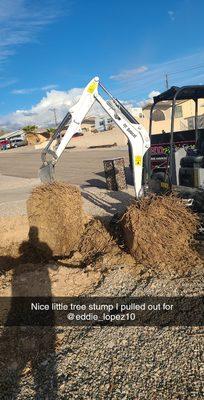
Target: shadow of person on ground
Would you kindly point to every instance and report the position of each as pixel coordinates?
(95, 183)
(26, 349)
(123, 199)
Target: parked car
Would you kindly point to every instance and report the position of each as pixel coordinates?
(5, 144)
(18, 142)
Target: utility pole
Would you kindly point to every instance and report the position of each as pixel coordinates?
(166, 81)
(55, 115)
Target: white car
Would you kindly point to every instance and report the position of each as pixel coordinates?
(18, 142)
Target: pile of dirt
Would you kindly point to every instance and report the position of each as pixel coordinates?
(36, 138)
(32, 138)
(159, 231)
(56, 218)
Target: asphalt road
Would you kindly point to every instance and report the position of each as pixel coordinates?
(75, 166)
(19, 172)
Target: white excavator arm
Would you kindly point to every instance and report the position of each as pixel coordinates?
(136, 134)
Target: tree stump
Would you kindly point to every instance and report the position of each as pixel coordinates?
(115, 173)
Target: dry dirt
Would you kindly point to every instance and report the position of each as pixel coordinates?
(14, 231)
(36, 138)
(56, 218)
(26, 270)
(157, 236)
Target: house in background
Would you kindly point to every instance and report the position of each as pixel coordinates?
(191, 122)
(184, 116)
(103, 123)
(19, 134)
(88, 124)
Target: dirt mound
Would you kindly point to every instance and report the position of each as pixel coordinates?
(159, 232)
(56, 218)
(32, 138)
(36, 138)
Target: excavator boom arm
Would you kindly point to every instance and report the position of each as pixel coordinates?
(135, 133)
(137, 136)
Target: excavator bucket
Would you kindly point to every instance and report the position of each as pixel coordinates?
(46, 173)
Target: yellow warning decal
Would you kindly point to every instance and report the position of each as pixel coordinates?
(138, 160)
(92, 87)
(165, 185)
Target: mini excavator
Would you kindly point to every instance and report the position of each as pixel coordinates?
(136, 134)
(178, 171)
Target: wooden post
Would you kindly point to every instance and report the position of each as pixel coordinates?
(115, 173)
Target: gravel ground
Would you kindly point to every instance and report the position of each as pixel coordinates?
(156, 363)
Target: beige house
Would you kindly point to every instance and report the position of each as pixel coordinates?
(88, 125)
(184, 116)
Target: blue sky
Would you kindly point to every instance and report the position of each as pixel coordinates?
(49, 47)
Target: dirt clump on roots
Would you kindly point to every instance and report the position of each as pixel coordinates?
(56, 218)
(159, 232)
(98, 248)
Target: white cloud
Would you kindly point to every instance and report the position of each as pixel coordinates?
(153, 93)
(130, 105)
(180, 72)
(149, 100)
(41, 114)
(6, 83)
(21, 21)
(171, 15)
(129, 73)
(24, 91)
(35, 89)
(127, 103)
(49, 87)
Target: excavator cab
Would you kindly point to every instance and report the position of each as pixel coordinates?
(176, 158)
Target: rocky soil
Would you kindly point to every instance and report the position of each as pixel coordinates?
(157, 363)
